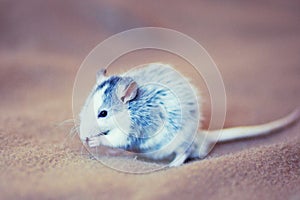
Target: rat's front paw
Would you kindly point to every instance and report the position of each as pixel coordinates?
(94, 141)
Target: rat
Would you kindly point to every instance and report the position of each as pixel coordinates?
(156, 112)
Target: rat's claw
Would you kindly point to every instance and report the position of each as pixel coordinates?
(94, 141)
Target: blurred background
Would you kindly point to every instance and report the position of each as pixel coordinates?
(255, 44)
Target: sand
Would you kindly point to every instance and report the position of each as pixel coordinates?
(42, 44)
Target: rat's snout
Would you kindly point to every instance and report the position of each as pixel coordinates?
(84, 139)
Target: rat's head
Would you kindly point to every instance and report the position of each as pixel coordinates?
(105, 114)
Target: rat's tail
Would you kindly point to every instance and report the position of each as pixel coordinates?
(252, 131)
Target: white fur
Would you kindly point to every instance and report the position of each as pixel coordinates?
(187, 143)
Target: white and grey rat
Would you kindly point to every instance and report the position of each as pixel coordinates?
(155, 112)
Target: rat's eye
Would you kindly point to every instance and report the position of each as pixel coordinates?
(103, 113)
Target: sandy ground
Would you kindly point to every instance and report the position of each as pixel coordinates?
(42, 44)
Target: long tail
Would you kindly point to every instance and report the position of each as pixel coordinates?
(252, 131)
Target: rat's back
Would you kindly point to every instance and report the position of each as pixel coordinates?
(165, 111)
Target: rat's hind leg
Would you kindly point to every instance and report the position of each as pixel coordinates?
(181, 155)
(179, 159)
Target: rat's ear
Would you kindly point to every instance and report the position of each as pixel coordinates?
(100, 74)
(127, 92)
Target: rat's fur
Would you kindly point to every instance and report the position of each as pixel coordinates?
(156, 112)
(152, 122)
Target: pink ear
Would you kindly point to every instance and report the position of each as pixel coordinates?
(128, 93)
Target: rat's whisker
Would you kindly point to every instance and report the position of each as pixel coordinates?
(74, 130)
(67, 121)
